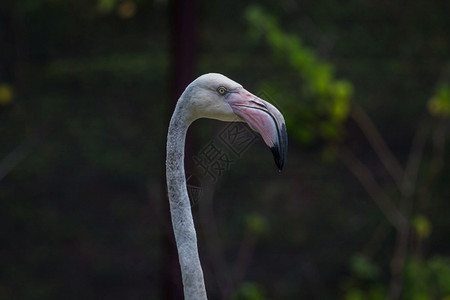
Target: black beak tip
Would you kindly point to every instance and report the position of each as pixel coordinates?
(279, 148)
(279, 159)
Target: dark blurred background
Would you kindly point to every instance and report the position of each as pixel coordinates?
(359, 212)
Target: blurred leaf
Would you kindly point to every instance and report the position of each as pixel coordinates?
(416, 278)
(374, 293)
(363, 268)
(106, 6)
(342, 91)
(256, 223)
(440, 269)
(6, 93)
(422, 226)
(427, 279)
(439, 104)
(250, 291)
(329, 130)
(355, 294)
(126, 10)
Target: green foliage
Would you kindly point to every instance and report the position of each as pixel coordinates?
(374, 293)
(325, 104)
(423, 279)
(363, 283)
(124, 9)
(422, 226)
(106, 6)
(439, 104)
(427, 279)
(6, 94)
(256, 224)
(250, 291)
(363, 268)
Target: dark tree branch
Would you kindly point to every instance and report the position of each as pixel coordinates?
(375, 191)
(407, 190)
(377, 142)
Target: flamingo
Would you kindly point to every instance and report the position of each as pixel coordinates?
(217, 97)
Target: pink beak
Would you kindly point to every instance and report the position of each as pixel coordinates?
(263, 118)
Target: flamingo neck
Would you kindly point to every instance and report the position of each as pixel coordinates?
(180, 208)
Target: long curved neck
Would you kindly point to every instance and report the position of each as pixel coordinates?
(180, 208)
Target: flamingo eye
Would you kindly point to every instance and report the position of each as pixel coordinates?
(222, 90)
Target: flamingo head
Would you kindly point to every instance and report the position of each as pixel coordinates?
(217, 97)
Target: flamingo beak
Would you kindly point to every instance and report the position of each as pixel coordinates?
(263, 118)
